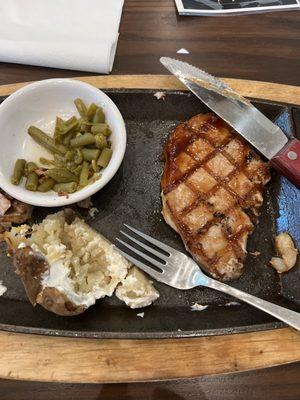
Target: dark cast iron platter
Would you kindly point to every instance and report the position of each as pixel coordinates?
(133, 196)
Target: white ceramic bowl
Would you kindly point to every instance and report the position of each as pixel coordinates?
(38, 104)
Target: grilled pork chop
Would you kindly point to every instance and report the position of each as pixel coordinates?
(212, 190)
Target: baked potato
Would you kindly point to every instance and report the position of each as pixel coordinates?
(65, 266)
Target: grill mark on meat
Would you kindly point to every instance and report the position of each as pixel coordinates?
(183, 228)
(210, 156)
(234, 180)
(199, 163)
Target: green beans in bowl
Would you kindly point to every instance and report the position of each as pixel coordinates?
(65, 142)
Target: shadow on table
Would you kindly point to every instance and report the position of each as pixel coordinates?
(277, 383)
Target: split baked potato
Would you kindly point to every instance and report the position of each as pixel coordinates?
(65, 266)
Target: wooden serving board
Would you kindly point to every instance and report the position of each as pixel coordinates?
(42, 358)
(33, 357)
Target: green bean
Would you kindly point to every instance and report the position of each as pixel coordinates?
(66, 139)
(95, 127)
(71, 165)
(100, 141)
(81, 107)
(32, 182)
(91, 123)
(83, 140)
(68, 187)
(78, 157)
(99, 116)
(94, 165)
(44, 140)
(84, 174)
(30, 167)
(59, 160)
(69, 155)
(91, 112)
(80, 147)
(46, 185)
(58, 139)
(58, 125)
(100, 128)
(61, 175)
(18, 171)
(68, 126)
(70, 121)
(85, 127)
(63, 149)
(77, 170)
(90, 154)
(91, 146)
(94, 178)
(104, 157)
(45, 161)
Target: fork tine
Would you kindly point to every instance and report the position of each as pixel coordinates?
(150, 239)
(140, 253)
(148, 248)
(150, 271)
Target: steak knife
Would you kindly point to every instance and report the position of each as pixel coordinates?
(240, 114)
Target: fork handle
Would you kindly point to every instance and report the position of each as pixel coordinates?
(290, 317)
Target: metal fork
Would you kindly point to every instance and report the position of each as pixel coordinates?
(179, 271)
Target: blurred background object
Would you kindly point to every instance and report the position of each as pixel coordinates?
(233, 7)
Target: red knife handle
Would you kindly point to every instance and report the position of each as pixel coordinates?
(287, 162)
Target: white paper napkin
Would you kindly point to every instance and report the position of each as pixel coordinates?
(71, 34)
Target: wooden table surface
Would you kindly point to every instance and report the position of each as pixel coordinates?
(257, 47)
(263, 47)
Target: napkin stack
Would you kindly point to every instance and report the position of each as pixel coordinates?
(71, 34)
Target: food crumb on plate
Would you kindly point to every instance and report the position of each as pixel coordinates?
(232, 303)
(3, 288)
(182, 51)
(160, 95)
(288, 253)
(198, 307)
(93, 211)
(63, 194)
(86, 203)
(141, 314)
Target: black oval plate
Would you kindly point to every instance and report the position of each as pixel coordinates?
(133, 196)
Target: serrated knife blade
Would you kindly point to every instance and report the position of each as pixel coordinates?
(239, 113)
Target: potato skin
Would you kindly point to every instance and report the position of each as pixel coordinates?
(53, 300)
(30, 266)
